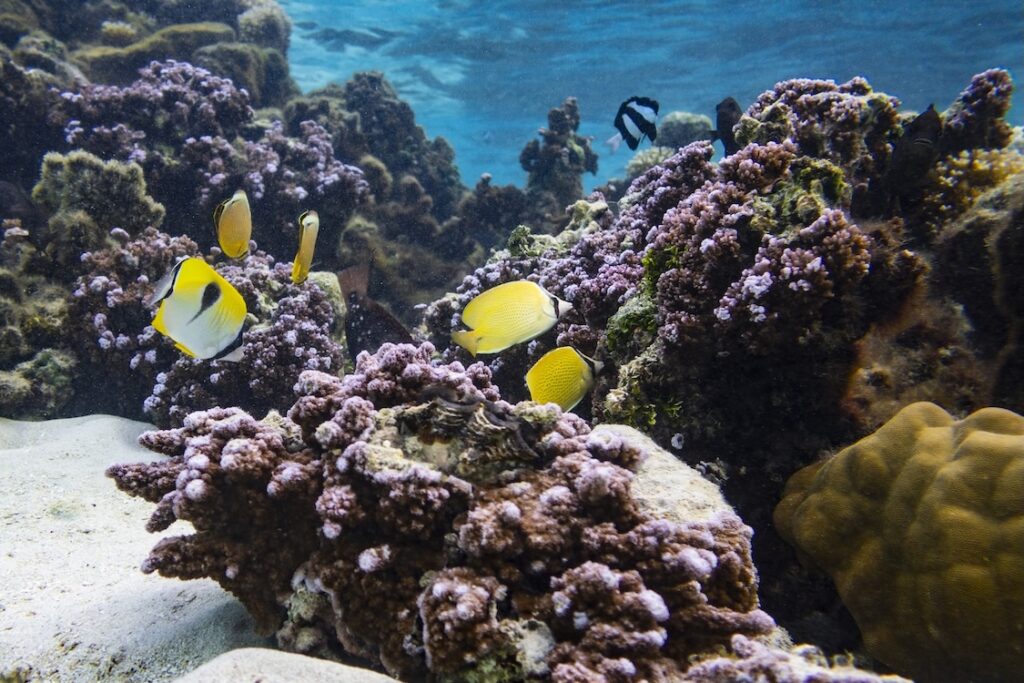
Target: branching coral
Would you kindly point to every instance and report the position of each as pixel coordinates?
(184, 126)
(109, 325)
(295, 330)
(443, 528)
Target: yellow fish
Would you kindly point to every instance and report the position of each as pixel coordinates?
(562, 376)
(234, 225)
(200, 310)
(309, 226)
(507, 315)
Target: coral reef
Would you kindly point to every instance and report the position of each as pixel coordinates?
(977, 265)
(108, 64)
(849, 125)
(86, 199)
(407, 515)
(750, 314)
(296, 329)
(646, 159)
(189, 128)
(109, 327)
(758, 661)
(919, 526)
(555, 165)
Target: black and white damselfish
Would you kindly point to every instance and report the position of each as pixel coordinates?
(636, 119)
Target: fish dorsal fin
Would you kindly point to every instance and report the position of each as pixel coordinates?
(165, 285)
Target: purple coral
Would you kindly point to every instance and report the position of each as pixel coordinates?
(293, 335)
(169, 102)
(977, 118)
(187, 128)
(416, 566)
(848, 124)
(118, 347)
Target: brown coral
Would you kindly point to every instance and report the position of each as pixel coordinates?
(921, 526)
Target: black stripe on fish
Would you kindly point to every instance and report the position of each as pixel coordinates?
(211, 294)
(637, 117)
(165, 285)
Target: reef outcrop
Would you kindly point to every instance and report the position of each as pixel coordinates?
(405, 514)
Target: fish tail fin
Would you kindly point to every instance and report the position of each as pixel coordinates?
(354, 280)
(467, 339)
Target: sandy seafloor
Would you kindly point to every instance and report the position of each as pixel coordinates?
(74, 605)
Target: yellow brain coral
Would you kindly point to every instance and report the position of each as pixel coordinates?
(921, 526)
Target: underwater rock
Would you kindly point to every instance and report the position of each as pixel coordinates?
(977, 264)
(389, 127)
(263, 72)
(119, 65)
(679, 128)
(39, 387)
(409, 492)
(26, 136)
(919, 526)
(87, 198)
(646, 159)
(555, 166)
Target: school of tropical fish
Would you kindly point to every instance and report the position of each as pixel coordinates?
(205, 315)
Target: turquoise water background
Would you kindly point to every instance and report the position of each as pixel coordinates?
(484, 74)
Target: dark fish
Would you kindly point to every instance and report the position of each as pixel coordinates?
(915, 152)
(727, 115)
(637, 118)
(367, 323)
(306, 25)
(14, 203)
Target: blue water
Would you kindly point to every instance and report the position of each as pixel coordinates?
(484, 74)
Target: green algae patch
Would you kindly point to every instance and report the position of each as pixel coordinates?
(120, 64)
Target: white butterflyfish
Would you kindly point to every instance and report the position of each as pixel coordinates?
(200, 311)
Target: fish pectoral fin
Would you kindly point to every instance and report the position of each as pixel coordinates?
(467, 339)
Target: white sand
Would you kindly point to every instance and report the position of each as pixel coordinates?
(73, 604)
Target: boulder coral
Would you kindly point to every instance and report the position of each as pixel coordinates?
(921, 526)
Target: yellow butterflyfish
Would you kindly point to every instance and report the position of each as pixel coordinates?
(309, 226)
(507, 315)
(562, 376)
(233, 222)
(200, 310)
